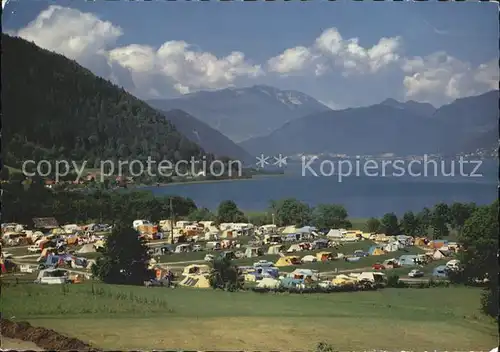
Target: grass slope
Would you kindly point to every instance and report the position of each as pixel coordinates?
(114, 317)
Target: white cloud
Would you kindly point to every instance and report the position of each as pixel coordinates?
(331, 51)
(180, 67)
(71, 32)
(141, 69)
(292, 60)
(440, 78)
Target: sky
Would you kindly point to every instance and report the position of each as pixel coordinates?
(344, 53)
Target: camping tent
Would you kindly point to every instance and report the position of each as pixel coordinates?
(375, 250)
(268, 283)
(196, 281)
(334, 234)
(289, 230)
(439, 254)
(341, 280)
(438, 244)
(287, 261)
(306, 229)
(294, 248)
(419, 241)
(87, 248)
(196, 269)
(391, 247)
(252, 252)
(309, 259)
(275, 249)
(407, 260)
(324, 256)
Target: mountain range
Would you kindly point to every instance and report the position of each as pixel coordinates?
(208, 138)
(75, 115)
(243, 113)
(389, 127)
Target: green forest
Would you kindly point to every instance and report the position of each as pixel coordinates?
(54, 109)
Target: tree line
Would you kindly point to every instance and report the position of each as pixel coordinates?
(436, 222)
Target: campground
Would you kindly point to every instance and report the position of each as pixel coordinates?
(126, 317)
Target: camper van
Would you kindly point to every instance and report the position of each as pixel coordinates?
(52, 277)
(373, 277)
(138, 223)
(213, 245)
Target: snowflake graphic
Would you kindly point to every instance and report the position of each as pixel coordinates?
(262, 161)
(280, 161)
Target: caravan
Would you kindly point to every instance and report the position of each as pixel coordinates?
(138, 223)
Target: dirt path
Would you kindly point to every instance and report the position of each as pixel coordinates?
(18, 345)
(44, 339)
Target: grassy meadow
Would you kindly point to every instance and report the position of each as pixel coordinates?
(124, 317)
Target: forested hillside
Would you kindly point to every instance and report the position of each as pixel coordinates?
(53, 108)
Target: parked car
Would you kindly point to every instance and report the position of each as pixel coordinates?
(263, 263)
(416, 273)
(378, 266)
(360, 253)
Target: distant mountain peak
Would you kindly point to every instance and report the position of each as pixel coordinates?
(243, 113)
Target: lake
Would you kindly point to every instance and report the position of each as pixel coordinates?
(363, 196)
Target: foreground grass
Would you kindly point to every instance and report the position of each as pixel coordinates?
(126, 317)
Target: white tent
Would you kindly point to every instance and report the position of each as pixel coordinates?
(334, 234)
(437, 255)
(309, 259)
(87, 248)
(391, 247)
(268, 283)
(294, 248)
(289, 230)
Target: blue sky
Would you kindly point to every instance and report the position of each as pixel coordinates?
(435, 52)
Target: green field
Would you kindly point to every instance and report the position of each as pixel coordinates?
(123, 317)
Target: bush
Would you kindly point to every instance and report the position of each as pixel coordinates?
(324, 347)
(489, 301)
(393, 281)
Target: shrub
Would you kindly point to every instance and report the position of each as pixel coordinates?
(324, 347)
(393, 281)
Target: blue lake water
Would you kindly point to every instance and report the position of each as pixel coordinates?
(362, 196)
